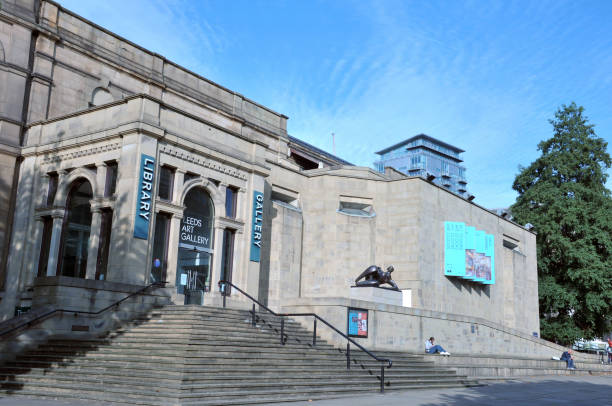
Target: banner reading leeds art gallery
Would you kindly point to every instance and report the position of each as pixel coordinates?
(469, 253)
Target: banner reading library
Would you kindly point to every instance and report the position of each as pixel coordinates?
(469, 253)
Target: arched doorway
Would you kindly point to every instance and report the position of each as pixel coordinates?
(75, 234)
(195, 246)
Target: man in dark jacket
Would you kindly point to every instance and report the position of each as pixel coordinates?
(567, 356)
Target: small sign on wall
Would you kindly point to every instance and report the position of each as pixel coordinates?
(144, 202)
(357, 323)
(256, 236)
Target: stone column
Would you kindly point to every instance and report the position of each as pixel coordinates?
(179, 180)
(38, 233)
(56, 235)
(44, 191)
(173, 241)
(215, 273)
(242, 204)
(100, 179)
(129, 256)
(94, 241)
(223, 192)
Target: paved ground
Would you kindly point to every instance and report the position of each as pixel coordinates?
(541, 391)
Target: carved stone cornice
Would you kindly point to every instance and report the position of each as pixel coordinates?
(51, 157)
(232, 224)
(168, 207)
(202, 161)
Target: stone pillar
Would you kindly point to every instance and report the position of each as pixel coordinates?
(44, 191)
(56, 235)
(100, 179)
(173, 241)
(215, 273)
(242, 204)
(129, 256)
(94, 241)
(223, 192)
(38, 234)
(179, 180)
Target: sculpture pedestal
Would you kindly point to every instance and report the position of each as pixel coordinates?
(377, 295)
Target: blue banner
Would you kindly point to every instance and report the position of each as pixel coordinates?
(144, 202)
(256, 236)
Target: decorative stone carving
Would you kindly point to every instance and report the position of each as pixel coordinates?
(204, 162)
(53, 157)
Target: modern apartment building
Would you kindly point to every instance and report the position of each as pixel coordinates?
(429, 158)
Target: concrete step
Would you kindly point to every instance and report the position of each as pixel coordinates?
(199, 355)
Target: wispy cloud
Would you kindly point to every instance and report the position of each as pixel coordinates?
(483, 76)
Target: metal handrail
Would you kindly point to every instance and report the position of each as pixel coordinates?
(283, 336)
(49, 313)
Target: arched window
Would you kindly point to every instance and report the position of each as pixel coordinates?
(75, 234)
(195, 246)
(100, 96)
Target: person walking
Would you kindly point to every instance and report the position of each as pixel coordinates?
(432, 348)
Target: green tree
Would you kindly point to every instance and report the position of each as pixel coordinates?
(563, 195)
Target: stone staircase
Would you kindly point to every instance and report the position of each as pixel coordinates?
(193, 355)
(487, 367)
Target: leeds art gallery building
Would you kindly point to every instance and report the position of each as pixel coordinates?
(127, 169)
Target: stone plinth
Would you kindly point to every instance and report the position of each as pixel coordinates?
(377, 295)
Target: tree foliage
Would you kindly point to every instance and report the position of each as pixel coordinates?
(563, 194)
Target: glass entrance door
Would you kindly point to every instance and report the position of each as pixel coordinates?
(195, 247)
(193, 274)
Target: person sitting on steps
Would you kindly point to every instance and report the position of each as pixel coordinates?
(430, 348)
(567, 357)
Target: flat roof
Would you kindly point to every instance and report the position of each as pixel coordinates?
(326, 154)
(420, 136)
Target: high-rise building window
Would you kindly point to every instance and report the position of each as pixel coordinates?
(231, 197)
(166, 181)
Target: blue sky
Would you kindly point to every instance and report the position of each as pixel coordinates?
(485, 76)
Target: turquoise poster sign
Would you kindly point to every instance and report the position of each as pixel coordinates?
(479, 260)
(490, 253)
(454, 248)
(469, 253)
(470, 250)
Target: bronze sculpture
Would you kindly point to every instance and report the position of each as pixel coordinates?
(374, 276)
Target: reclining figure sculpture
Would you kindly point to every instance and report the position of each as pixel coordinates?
(374, 276)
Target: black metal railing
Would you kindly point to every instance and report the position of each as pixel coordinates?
(44, 316)
(284, 337)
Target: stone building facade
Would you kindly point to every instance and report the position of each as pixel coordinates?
(128, 169)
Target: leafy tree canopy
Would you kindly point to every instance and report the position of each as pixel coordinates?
(563, 194)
